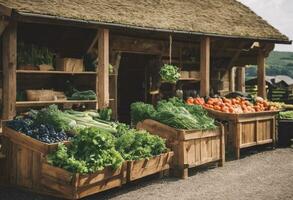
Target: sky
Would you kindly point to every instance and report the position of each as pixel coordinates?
(278, 13)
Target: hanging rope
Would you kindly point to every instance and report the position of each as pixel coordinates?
(170, 49)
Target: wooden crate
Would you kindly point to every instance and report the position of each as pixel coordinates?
(69, 65)
(24, 158)
(191, 148)
(248, 129)
(64, 184)
(140, 168)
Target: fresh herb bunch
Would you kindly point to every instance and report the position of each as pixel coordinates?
(169, 73)
(141, 111)
(30, 54)
(91, 150)
(106, 114)
(55, 117)
(135, 145)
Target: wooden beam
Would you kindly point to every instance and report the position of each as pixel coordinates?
(261, 73)
(93, 42)
(232, 79)
(236, 55)
(9, 70)
(205, 66)
(240, 79)
(3, 25)
(103, 68)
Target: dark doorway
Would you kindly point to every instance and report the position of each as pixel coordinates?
(133, 82)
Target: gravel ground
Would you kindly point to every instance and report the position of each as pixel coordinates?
(267, 175)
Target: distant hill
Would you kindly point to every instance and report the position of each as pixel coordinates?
(278, 63)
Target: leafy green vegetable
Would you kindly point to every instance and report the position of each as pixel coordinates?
(83, 95)
(174, 113)
(135, 145)
(91, 150)
(286, 115)
(53, 116)
(141, 111)
(121, 129)
(169, 73)
(70, 120)
(106, 114)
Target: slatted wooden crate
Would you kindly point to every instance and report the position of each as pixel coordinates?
(24, 158)
(140, 168)
(248, 129)
(191, 147)
(64, 184)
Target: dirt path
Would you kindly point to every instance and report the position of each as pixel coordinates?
(264, 176)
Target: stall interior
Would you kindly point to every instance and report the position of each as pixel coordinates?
(135, 58)
(53, 63)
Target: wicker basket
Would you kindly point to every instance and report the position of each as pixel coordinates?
(40, 95)
(70, 65)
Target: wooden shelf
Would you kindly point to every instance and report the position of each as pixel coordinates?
(20, 104)
(189, 79)
(53, 72)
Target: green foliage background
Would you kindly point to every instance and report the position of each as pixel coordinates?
(278, 63)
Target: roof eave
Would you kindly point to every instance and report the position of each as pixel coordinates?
(24, 16)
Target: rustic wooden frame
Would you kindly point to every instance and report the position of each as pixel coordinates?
(61, 183)
(140, 168)
(9, 50)
(23, 158)
(248, 129)
(191, 148)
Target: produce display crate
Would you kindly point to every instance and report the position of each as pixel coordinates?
(248, 129)
(24, 158)
(140, 168)
(285, 133)
(191, 148)
(64, 184)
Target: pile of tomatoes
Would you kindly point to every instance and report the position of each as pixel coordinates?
(236, 105)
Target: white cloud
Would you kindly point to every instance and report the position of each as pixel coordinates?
(278, 13)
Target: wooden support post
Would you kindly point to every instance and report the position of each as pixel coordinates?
(232, 79)
(261, 74)
(205, 66)
(103, 68)
(240, 79)
(3, 25)
(9, 70)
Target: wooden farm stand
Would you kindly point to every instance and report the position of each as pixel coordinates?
(140, 168)
(75, 186)
(24, 159)
(191, 148)
(248, 129)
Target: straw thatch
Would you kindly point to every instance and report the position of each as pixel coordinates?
(220, 17)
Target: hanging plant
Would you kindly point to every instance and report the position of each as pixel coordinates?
(169, 73)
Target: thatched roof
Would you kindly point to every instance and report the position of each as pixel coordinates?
(221, 17)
